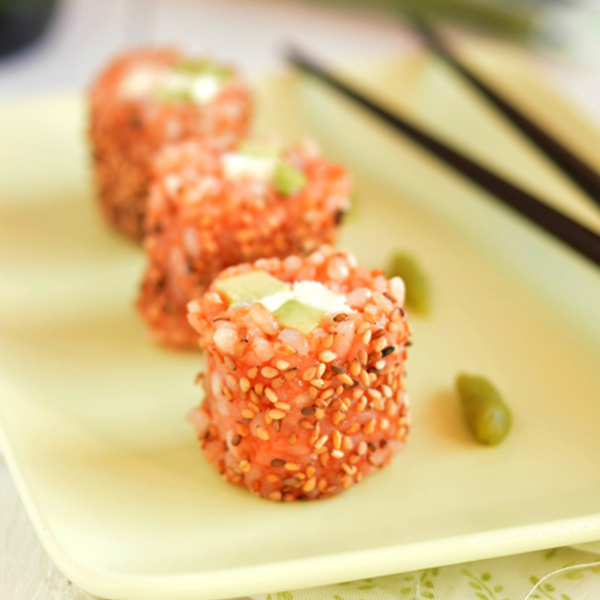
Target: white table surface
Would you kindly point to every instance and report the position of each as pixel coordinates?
(85, 33)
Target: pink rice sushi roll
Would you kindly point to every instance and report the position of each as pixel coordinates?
(144, 99)
(208, 211)
(304, 376)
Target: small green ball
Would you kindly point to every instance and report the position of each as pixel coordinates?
(486, 414)
(288, 179)
(418, 292)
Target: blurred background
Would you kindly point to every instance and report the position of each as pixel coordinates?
(56, 44)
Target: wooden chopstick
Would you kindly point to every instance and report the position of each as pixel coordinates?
(581, 173)
(575, 235)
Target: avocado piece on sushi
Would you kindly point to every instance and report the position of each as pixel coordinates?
(288, 179)
(249, 287)
(297, 315)
(204, 66)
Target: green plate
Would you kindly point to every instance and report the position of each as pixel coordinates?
(92, 415)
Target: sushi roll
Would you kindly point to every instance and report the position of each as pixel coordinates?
(304, 374)
(209, 210)
(144, 99)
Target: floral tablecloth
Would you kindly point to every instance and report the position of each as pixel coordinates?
(556, 574)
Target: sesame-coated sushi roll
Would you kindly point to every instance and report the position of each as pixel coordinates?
(304, 376)
(144, 99)
(208, 211)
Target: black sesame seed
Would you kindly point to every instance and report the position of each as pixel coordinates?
(387, 351)
(338, 369)
(277, 462)
(308, 410)
(372, 446)
(338, 217)
(236, 439)
(189, 266)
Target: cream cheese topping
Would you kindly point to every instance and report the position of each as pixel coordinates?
(311, 293)
(142, 81)
(238, 165)
(205, 88)
(146, 80)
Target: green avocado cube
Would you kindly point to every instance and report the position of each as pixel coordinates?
(288, 180)
(203, 66)
(170, 96)
(293, 314)
(250, 287)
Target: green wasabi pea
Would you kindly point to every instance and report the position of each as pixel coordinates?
(418, 293)
(288, 180)
(485, 412)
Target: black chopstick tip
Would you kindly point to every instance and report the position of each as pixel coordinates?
(292, 53)
(299, 59)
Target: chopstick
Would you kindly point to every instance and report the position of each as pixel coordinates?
(581, 173)
(570, 232)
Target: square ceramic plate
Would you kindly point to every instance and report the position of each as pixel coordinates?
(92, 416)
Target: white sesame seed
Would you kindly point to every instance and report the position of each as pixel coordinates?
(271, 395)
(321, 442)
(327, 356)
(269, 372)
